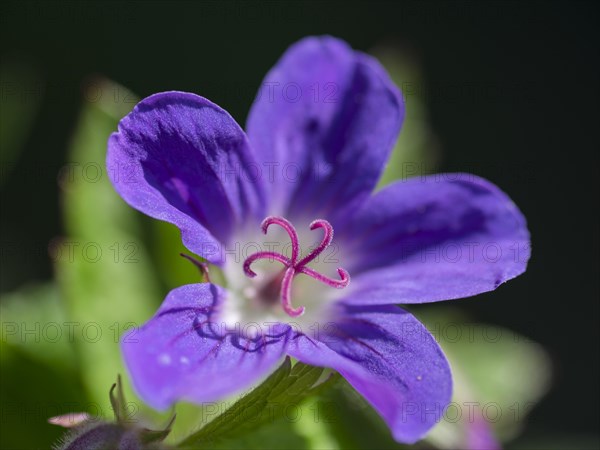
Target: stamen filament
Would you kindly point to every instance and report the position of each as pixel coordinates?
(203, 267)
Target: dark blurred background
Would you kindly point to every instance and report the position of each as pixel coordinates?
(512, 90)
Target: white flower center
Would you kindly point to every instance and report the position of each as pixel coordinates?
(255, 303)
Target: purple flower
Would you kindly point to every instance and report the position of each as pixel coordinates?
(318, 136)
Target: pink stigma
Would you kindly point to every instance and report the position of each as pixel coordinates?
(293, 266)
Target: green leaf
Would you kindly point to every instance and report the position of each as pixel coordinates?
(174, 270)
(312, 425)
(498, 374)
(343, 419)
(276, 435)
(34, 321)
(265, 406)
(36, 341)
(104, 270)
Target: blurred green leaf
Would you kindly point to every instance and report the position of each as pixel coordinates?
(313, 425)
(417, 149)
(269, 404)
(103, 267)
(36, 340)
(33, 320)
(498, 374)
(276, 435)
(167, 247)
(350, 421)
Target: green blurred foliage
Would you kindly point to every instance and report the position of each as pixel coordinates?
(173, 270)
(107, 280)
(33, 321)
(350, 421)
(38, 368)
(498, 375)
